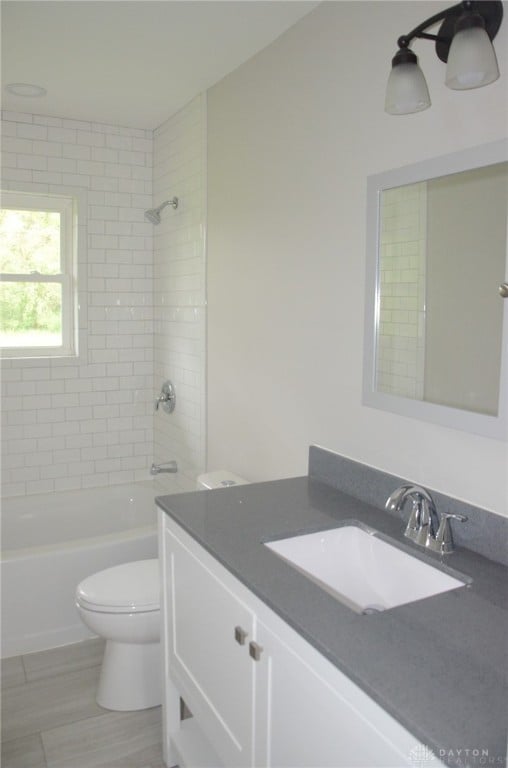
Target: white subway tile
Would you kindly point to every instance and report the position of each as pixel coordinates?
(104, 384)
(78, 385)
(17, 117)
(96, 480)
(103, 399)
(119, 171)
(104, 183)
(28, 162)
(119, 142)
(90, 138)
(50, 415)
(65, 428)
(14, 144)
(21, 417)
(79, 441)
(47, 177)
(19, 176)
(63, 135)
(75, 180)
(76, 152)
(81, 125)
(45, 120)
(81, 467)
(93, 426)
(23, 445)
(39, 486)
(53, 471)
(89, 167)
(25, 131)
(120, 477)
(63, 164)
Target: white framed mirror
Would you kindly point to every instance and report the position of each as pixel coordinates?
(436, 324)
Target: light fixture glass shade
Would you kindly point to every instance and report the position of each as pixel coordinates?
(406, 90)
(471, 61)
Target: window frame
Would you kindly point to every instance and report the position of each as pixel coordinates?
(66, 206)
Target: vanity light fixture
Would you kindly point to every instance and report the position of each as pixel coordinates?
(464, 41)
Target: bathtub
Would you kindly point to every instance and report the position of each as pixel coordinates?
(51, 541)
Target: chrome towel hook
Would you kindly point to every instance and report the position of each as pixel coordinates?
(167, 397)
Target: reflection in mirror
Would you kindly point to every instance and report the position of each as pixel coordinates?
(436, 333)
(442, 252)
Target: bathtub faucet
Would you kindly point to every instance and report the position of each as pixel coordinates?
(168, 466)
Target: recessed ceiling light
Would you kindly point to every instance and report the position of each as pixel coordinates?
(25, 89)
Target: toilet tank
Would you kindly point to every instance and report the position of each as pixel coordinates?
(220, 478)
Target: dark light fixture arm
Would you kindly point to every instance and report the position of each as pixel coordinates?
(419, 31)
(491, 12)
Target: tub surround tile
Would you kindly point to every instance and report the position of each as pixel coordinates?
(43, 704)
(67, 658)
(484, 532)
(115, 282)
(110, 739)
(26, 752)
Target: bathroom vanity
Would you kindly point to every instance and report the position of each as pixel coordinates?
(277, 672)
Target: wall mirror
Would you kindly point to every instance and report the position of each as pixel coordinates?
(436, 324)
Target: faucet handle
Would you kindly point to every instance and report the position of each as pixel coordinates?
(443, 543)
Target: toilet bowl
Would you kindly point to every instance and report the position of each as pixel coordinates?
(121, 604)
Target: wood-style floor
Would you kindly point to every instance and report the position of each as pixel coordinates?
(50, 718)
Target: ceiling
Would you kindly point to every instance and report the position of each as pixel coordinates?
(131, 62)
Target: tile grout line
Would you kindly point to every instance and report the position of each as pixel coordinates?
(43, 749)
(22, 657)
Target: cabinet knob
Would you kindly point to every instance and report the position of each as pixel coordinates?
(240, 635)
(255, 650)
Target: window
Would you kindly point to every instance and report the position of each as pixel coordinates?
(38, 275)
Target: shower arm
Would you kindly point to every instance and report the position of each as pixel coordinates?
(173, 202)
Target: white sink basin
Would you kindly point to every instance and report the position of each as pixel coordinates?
(361, 570)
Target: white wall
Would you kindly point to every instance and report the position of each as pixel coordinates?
(86, 421)
(292, 136)
(179, 291)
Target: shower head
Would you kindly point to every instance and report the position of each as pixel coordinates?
(154, 214)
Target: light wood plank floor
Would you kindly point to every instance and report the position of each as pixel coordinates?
(50, 718)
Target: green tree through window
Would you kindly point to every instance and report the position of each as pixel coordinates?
(36, 276)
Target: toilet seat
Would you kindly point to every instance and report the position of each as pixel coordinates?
(128, 588)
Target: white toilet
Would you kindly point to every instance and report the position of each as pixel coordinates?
(122, 605)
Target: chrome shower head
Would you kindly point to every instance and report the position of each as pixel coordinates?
(154, 214)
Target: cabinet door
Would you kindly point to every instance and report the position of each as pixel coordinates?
(308, 714)
(211, 669)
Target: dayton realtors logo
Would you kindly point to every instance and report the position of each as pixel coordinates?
(470, 757)
(423, 757)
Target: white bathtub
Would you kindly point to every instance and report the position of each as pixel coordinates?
(50, 542)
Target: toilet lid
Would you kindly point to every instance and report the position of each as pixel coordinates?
(124, 588)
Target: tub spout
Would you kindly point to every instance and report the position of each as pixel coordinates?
(168, 466)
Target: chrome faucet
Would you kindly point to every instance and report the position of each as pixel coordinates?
(424, 526)
(168, 466)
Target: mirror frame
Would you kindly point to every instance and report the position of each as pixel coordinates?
(469, 421)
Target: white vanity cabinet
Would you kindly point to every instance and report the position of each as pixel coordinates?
(205, 624)
(259, 693)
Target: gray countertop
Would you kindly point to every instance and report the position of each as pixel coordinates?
(437, 665)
